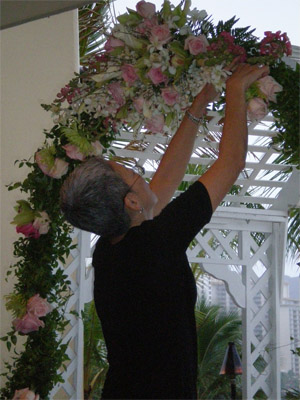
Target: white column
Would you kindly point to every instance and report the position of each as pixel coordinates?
(244, 249)
(37, 59)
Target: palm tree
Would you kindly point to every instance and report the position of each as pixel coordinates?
(214, 330)
(95, 362)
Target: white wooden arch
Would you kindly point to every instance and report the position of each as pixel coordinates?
(246, 268)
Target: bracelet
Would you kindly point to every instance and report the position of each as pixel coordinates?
(194, 119)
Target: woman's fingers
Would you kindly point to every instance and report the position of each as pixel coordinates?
(233, 64)
(245, 74)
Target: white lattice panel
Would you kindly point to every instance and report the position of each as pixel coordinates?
(228, 250)
(259, 178)
(72, 388)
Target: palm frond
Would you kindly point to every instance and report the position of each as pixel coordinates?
(94, 22)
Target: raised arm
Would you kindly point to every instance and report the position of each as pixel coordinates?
(233, 146)
(173, 165)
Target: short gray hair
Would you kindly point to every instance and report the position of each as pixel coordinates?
(92, 199)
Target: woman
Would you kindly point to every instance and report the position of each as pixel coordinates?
(144, 290)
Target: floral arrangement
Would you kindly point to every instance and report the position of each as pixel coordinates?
(145, 77)
(152, 66)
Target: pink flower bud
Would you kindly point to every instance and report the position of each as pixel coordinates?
(38, 306)
(73, 152)
(138, 104)
(128, 73)
(269, 87)
(117, 93)
(160, 34)
(145, 9)
(196, 44)
(155, 124)
(28, 230)
(170, 96)
(28, 323)
(25, 394)
(156, 75)
(257, 109)
(112, 43)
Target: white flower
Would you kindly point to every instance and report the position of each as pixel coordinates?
(111, 73)
(197, 15)
(186, 30)
(172, 70)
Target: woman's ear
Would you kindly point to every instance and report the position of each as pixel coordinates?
(132, 202)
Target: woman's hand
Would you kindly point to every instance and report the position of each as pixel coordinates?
(244, 75)
(209, 93)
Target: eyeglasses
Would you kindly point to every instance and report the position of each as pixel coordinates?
(140, 171)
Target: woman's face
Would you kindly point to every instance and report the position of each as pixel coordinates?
(138, 185)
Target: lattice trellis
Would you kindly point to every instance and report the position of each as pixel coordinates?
(72, 388)
(246, 251)
(262, 177)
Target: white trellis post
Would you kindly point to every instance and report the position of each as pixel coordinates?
(250, 272)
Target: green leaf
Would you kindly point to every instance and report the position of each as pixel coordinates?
(14, 340)
(122, 113)
(177, 48)
(131, 19)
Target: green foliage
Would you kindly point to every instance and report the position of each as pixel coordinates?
(294, 232)
(292, 394)
(93, 20)
(214, 330)
(286, 114)
(95, 362)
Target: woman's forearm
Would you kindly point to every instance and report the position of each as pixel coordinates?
(173, 165)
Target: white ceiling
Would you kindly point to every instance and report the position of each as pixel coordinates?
(19, 12)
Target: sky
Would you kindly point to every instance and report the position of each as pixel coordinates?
(263, 15)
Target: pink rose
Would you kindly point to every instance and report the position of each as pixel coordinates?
(170, 96)
(28, 323)
(145, 26)
(155, 124)
(41, 223)
(25, 394)
(196, 44)
(28, 230)
(145, 9)
(112, 43)
(97, 148)
(73, 152)
(156, 76)
(160, 34)
(269, 87)
(55, 170)
(128, 73)
(257, 109)
(138, 104)
(38, 306)
(117, 93)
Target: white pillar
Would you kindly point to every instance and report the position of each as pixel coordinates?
(37, 59)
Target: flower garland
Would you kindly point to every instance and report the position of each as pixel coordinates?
(151, 67)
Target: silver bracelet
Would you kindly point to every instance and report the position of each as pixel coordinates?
(194, 119)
